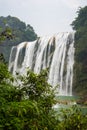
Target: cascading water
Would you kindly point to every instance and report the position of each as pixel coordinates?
(56, 52)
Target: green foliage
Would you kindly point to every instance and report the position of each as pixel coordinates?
(80, 73)
(19, 115)
(72, 119)
(30, 107)
(20, 29)
(2, 60)
(36, 86)
(9, 93)
(15, 30)
(4, 74)
(81, 20)
(6, 34)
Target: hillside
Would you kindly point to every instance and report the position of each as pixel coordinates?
(21, 32)
(80, 71)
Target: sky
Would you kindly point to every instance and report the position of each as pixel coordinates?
(45, 16)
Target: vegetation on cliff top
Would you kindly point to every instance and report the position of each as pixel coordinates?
(20, 33)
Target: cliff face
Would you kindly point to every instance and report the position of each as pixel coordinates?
(20, 30)
(80, 67)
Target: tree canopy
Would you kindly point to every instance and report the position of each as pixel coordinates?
(81, 20)
(80, 74)
(17, 31)
(22, 32)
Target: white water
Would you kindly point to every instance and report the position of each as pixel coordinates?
(56, 52)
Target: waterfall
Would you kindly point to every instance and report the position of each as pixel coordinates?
(54, 52)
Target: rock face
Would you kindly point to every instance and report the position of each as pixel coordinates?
(20, 30)
(54, 52)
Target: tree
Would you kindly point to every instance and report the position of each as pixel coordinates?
(20, 33)
(80, 73)
(72, 119)
(29, 106)
(6, 34)
(81, 19)
(4, 73)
